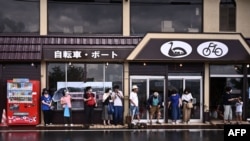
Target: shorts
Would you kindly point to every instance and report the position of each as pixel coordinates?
(238, 113)
(134, 110)
(153, 110)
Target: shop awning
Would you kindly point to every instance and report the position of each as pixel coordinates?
(203, 47)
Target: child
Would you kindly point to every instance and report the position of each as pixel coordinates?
(239, 105)
(66, 104)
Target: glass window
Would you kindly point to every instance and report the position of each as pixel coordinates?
(217, 89)
(19, 16)
(248, 98)
(166, 16)
(85, 17)
(227, 15)
(222, 76)
(80, 75)
(226, 69)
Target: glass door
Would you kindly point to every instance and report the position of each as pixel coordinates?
(147, 86)
(195, 84)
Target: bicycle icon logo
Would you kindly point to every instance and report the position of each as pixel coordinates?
(212, 49)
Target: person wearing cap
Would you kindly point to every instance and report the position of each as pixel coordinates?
(134, 103)
(154, 103)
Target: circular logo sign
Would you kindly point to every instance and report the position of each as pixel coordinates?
(212, 49)
(176, 49)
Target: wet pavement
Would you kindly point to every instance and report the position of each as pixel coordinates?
(209, 131)
(114, 135)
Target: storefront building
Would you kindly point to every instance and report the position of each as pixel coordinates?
(124, 46)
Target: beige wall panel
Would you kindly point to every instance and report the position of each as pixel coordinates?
(126, 18)
(243, 17)
(43, 17)
(211, 16)
(126, 89)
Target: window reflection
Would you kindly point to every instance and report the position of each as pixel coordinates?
(98, 76)
(227, 15)
(248, 97)
(85, 17)
(165, 16)
(19, 16)
(226, 69)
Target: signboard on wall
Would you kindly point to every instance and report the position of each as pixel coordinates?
(83, 53)
(191, 47)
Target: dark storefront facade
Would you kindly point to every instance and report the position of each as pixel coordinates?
(156, 62)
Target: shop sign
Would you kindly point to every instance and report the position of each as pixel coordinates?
(180, 49)
(176, 49)
(212, 49)
(92, 54)
(66, 54)
(190, 50)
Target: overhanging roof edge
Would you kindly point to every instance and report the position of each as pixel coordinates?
(149, 36)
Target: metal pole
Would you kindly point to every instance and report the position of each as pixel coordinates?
(66, 76)
(104, 71)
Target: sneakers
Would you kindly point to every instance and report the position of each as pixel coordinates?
(71, 124)
(65, 124)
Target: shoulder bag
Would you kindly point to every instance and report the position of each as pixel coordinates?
(189, 105)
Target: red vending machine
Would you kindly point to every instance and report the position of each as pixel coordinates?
(23, 104)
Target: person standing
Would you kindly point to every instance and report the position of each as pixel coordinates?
(175, 104)
(154, 104)
(106, 116)
(117, 96)
(134, 103)
(239, 105)
(186, 98)
(89, 105)
(46, 104)
(227, 104)
(67, 108)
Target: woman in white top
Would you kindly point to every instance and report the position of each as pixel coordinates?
(186, 98)
(117, 96)
(106, 116)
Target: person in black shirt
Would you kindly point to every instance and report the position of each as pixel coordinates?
(227, 104)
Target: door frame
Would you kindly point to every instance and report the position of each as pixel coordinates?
(201, 92)
(148, 78)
